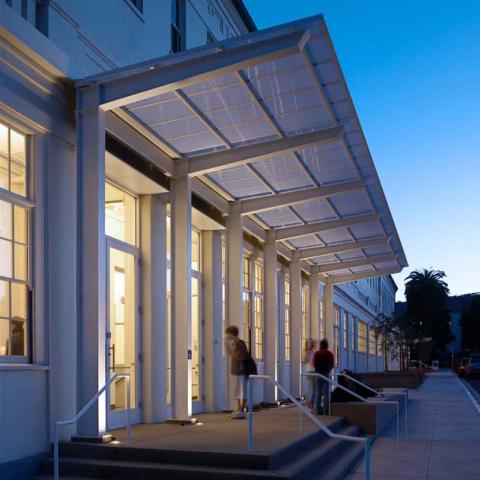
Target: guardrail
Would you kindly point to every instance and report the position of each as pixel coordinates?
(368, 387)
(365, 440)
(82, 412)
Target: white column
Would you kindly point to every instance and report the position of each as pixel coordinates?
(281, 328)
(328, 313)
(296, 323)
(91, 260)
(234, 284)
(213, 368)
(270, 315)
(314, 304)
(181, 230)
(153, 248)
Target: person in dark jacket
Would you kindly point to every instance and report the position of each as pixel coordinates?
(323, 362)
(238, 351)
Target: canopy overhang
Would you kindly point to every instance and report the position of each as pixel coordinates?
(267, 122)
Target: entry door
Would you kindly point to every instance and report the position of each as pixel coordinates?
(197, 351)
(122, 334)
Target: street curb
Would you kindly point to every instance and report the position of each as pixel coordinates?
(472, 394)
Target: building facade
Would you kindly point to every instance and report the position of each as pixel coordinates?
(127, 247)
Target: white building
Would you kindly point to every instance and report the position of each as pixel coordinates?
(251, 146)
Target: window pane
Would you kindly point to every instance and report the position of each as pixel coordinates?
(3, 140)
(4, 337)
(5, 220)
(18, 337)
(17, 163)
(3, 157)
(21, 262)
(5, 258)
(19, 301)
(20, 224)
(120, 214)
(4, 299)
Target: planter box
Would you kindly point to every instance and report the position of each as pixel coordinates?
(412, 379)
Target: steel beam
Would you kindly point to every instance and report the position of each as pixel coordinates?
(318, 227)
(214, 162)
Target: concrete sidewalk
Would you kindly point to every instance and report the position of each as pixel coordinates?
(443, 439)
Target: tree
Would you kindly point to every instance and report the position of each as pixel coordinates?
(470, 322)
(426, 293)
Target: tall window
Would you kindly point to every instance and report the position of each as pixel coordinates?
(372, 342)
(120, 214)
(322, 320)
(353, 322)
(336, 334)
(305, 329)
(258, 304)
(178, 25)
(247, 302)
(345, 330)
(15, 220)
(362, 336)
(287, 320)
(195, 250)
(224, 293)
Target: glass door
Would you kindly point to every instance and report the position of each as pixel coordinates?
(197, 354)
(122, 334)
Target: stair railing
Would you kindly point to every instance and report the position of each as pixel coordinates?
(422, 364)
(365, 440)
(357, 396)
(371, 389)
(82, 412)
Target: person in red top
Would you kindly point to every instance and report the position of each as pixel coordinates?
(323, 363)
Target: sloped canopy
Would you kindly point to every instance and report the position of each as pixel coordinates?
(267, 121)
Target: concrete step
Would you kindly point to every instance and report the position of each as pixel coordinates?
(341, 466)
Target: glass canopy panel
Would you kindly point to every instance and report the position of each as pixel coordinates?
(239, 182)
(315, 211)
(351, 203)
(305, 242)
(384, 265)
(378, 250)
(366, 230)
(283, 173)
(280, 217)
(325, 259)
(364, 268)
(339, 235)
(355, 255)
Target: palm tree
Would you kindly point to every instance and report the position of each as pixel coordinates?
(426, 293)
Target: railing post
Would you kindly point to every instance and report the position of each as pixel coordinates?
(398, 424)
(367, 459)
(300, 418)
(406, 415)
(250, 414)
(129, 424)
(56, 473)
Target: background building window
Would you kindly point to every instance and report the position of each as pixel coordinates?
(362, 336)
(178, 25)
(353, 345)
(345, 330)
(287, 320)
(15, 220)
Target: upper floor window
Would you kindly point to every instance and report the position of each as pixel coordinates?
(15, 247)
(178, 25)
(120, 214)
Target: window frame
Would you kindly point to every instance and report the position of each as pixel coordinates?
(287, 320)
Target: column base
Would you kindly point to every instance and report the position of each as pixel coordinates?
(182, 421)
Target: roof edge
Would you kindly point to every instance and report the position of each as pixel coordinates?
(244, 15)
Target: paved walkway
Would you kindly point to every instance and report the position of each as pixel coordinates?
(443, 439)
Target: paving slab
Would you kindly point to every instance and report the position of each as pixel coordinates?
(443, 437)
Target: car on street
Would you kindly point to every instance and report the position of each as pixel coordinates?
(461, 368)
(473, 366)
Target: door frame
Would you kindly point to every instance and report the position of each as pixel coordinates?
(119, 419)
(198, 405)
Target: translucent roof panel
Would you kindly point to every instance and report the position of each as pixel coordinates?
(339, 235)
(355, 255)
(279, 217)
(305, 241)
(282, 172)
(239, 182)
(352, 203)
(325, 259)
(315, 211)
(362, 231)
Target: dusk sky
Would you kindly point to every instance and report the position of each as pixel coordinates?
(413, 70)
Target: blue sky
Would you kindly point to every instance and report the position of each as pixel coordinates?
(413, 70)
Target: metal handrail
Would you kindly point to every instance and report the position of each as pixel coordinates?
(319, 423)
(420, 363)
(81, 413)
(359, 397)
(368, 387)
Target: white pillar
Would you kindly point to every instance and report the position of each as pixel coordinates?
(314, 305)
(213, 372)
(234, 284)
(328, 313)
(270, 315)
(181, 230)
(296, 323)
(91, 260)
(284, 382)
(154, 302)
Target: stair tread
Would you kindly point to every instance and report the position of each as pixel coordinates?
(343, 465)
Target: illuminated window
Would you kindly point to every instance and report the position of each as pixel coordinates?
(287, 320)
(195, 250)
(322, 320)
(15, 219)
(120, 214)
(362, 336)
(258, 304)
(353, 345)
(336, 334)
(305, 322)
(345, 330)
(372, 342)
(247, 301)
(224, 293)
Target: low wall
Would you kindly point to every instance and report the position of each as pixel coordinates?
(372, 418)
(394, 379)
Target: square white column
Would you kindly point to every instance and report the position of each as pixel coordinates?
(328, 313)
(234, 285)
(284, 376)
(153, 247)
(314, 306)
(181, 231)
(213, 368)
(296, 323)
(270, 315)
(91, 260)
